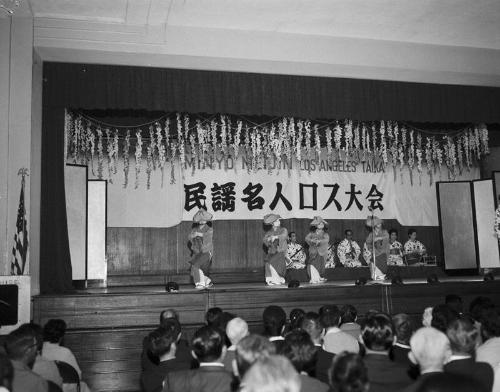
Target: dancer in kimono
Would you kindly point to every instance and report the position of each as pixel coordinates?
(377, 248)
(202, 249)
(295, 254)
(497, 220)
(395, 249)
(275, 241)
(317, 240)
(348, 251)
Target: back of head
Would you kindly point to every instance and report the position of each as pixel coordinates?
(6, 372)
(348, 373)
(162, 338)
(454, 302)
(54, 330)
(490, 323)
(312, 325)
(208, 344)
(37, 331)
(442, 317)
(478, 305)
(271, 374)
(296, 316)
(274, 319)
(348, 314)
(168, 314)
(430, 348)
(21, 345)
(330, 316)
(447, 382)
(464, 337)
(250, 349)
(213, 317)
(236, 330)
(300, 350)
(378, 332)
(403, 327)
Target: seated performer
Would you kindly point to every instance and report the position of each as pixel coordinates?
(414, 249)
(202, 247)
(275, 241)
(376, 248)
(395, 249)
(317, 240)
(348, 251)
(295, 254)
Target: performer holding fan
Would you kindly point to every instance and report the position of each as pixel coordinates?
(317, 240)
(377, 248)
(295, 255)
(202, 247)
(275, 241)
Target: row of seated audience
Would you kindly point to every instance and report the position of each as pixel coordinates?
(309, 352)
(34, 359)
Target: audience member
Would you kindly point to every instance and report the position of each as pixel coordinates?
(312, 325)
(162, 344)
(489, 351)
(53, 334)
(213, 317)
(478, 305)
(274, 319)
(444, 382)
(208, 347)
(295, 318)
(442, 317)
(430, 350)
(236, 330)
(403, 329)
(335, 340)
(455, 303)
(427, 317)
(464, 339)
(22, 350)
(249, 350)
(168, 314)
(348, 373)
(300, 350)
(6, 373)
(271, 374)
(348, 318)
(378, 336)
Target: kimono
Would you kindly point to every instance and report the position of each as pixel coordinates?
(414, 247)
(497, 223)
(318, 250)
(348, 252)
(381, 251)
(276, 251)
(202, 247)
(295, 256)
(330, 257)
(395, 253)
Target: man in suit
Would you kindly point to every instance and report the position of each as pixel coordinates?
(162, 344)
(209, 348)
(236, 330)
(335, 340)
(249, 350)
(430, 350)
(464, 338)
(348, 318)
(378, 336)
(274, 320)
(300, 350)
(312, 325)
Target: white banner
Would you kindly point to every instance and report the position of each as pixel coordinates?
(230, 190)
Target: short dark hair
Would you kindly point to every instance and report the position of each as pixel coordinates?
(161, 339)
(208, 344)
(348, 373)
(490, 323)
(37, 332)
(442, 317)
(168, 314)
(274, 318)
(479, 305)
(19, 341)
(300, 350)
(54, 330)
(378, 332)
(403, 327)
(290, 234)
(463, 336)
(348, 314)
(347, 231)
(6, 372)
(330, 316)
(312, 325)
(411, 231)
(250, 349)
(393, 231)
(213, 317)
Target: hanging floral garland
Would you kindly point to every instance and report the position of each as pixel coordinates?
(224, 136)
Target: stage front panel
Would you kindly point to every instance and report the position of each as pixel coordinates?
(457, 225)
(484, 204)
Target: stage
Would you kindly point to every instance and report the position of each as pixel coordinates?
(106, 325)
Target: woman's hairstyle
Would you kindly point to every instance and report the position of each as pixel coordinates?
(54, 330)
(348, 373)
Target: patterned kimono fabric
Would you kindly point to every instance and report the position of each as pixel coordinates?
(296, 257)
(275, 261)
(318, 252)
(395, 254)
(381, 251)
(202, 248)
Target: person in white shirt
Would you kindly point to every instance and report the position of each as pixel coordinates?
(414, 248)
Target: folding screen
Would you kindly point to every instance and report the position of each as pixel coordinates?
(96, 244)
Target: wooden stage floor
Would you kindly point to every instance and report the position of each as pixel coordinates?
(106, 325)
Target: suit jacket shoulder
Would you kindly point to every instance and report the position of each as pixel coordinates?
(204, 379)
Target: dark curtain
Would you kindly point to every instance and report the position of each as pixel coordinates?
(80, 86)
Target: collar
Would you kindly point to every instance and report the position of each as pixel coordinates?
(231, 348)
(275, 338)
(333, 330)
(211, 364)
(318, 345)
(401, 345)
(377, 353)
(458, 357)
(429, 371)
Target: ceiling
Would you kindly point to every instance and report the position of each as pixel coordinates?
(437, 41)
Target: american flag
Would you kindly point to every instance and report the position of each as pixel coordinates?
(20, 248)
